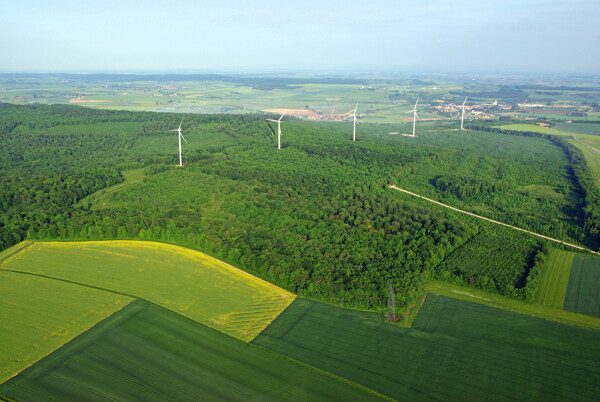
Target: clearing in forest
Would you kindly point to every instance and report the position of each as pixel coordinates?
(553, 284)
(583, 291)
(144, 352)
(182, 280)
(38, 315)
(455, 350)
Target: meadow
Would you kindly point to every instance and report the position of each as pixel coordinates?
(39, 315)
(583, 290)
(468, 351)
(145, 352)
(182, 280)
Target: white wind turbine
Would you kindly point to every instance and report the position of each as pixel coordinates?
(415, 115)
(279, 129)
(180, 136)
(355, 123)
(462, 117)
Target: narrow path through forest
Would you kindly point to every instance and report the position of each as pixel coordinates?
(493, 221)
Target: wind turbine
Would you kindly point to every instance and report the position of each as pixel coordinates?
(180, 136)
(462, 117)
(415, 115)
(279, 129)
(355, 123)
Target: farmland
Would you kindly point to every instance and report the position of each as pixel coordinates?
(468, 350)
(533, 128)
(326, 98)
(38, 315)
(578, 128)
(583, 290)
(147, 353)
(185, 281)
(555, 278)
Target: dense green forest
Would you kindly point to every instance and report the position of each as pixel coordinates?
(316, 216)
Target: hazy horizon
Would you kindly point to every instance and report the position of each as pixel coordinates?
(520, 37)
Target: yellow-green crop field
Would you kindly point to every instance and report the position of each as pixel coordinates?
(182, 280)
(39, 315)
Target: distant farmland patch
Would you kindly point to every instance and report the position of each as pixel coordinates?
(147, 353)
(182, 280)
(583, 291)
(531, 127)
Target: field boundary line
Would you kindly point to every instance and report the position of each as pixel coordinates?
(28, 243)
(131, 296)
(493, 221)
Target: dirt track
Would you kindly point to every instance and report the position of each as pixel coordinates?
(493, 221)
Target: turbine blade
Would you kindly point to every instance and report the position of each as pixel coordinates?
(183, 138)
(417, 115)
(416, 103)
(284, 112)
(465, 101)
(355, 109)
(272, 120)
(180, 122)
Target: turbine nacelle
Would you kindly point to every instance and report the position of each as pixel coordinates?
(279, 128)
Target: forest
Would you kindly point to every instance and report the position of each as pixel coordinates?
(315, 217)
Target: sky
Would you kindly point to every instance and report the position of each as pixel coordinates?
(511, 36)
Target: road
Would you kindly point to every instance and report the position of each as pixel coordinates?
(583, 143)
(493, 221)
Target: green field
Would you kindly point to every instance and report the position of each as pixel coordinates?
(555, 277)
(533, 128)
(456, 350)
(147, 353)
(38, 315)
(509, 304)
(578, 128)
(182, 280)
(583, 291)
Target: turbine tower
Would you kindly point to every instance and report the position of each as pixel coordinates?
(415, 115)
(180, 136)
(462, 117)
(355, 123)
(279, 129)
